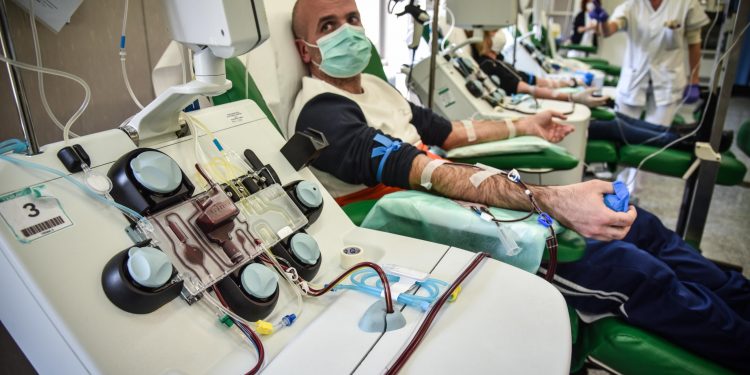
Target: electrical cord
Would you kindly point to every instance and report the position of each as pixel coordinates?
(703, 116)
(406, 353)
(446, 38)
(40, 76)
(130, 213)
(248, 332)
(123, 57)
(383, 278)
(618, 120)
(87, 95)
(544, 219)
(513, 109)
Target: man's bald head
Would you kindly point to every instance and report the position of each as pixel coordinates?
(298, 29)
(312, 19)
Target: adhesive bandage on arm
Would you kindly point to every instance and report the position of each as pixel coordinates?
(511, 128)
(471, 134)
(478, 178)
(426, 178)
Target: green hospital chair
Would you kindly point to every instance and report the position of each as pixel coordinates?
(621, 347)
(669, 163)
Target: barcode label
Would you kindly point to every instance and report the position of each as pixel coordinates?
(33, 213)
(41, 227)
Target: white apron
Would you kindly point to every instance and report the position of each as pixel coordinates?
(655, 52)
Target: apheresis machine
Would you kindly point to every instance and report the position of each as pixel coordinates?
(463, 91)
(186, 243)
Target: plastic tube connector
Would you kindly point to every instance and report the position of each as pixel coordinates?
(226, 320)
(288, 320)
(263, 327)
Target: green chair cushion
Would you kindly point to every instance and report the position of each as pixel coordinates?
(236, 73)
(591, 60)
(549, 158)
(582, 48)
(743, 138)
(600, 151)
(612, 70)
(676, 162)
(611, 81)
(357, 211)
(600, 113)
(630, 350)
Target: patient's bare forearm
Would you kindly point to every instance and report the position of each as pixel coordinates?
(452, 181)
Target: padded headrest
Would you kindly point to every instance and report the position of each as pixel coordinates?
(276, 66)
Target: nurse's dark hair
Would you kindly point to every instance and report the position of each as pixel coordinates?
(583, 5)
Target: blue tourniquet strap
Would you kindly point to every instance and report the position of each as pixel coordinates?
(385, 150)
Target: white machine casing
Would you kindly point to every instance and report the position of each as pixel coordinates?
(454, 101)
(215, 30)
(219, 25)
(58, 313)
(483, 13)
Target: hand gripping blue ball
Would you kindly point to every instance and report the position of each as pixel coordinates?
(620, 200)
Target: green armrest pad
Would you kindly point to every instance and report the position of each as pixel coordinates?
(591, 60)
(236, 73)
(678, 120)
(630, 350)
(570, 247)
(743, 138)
(675, 163)
(606, 68)
(599, 151)
(602, 113)
(357, 211)
(611, 81)
(549, 158)
(574, 324)
(579, 47)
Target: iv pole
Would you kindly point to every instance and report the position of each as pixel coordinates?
(16, 84)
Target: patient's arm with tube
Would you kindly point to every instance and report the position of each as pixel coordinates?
(435, 130)
(542, 125)
(579, 206)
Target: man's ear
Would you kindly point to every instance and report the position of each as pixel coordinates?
(303, 50)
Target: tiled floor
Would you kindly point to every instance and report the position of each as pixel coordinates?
(726, 237)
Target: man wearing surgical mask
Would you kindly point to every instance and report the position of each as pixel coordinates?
(662, 35)
(648, 275)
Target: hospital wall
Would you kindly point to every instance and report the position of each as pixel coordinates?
(611, 48)
(88, 47)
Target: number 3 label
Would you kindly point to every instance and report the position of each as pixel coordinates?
(32, 214)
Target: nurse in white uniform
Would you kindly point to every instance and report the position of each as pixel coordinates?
(663, 37)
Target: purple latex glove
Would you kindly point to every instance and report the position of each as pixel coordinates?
(692, 93)
(599, 13)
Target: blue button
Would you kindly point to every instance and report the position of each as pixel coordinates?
(259, 281)
(156, 172)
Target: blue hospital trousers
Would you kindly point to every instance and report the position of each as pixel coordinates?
(654, 280)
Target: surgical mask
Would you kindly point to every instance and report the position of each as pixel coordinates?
(590, 7)
(344, 52)
(498, 41)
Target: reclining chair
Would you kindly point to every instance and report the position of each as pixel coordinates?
(610, 342)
